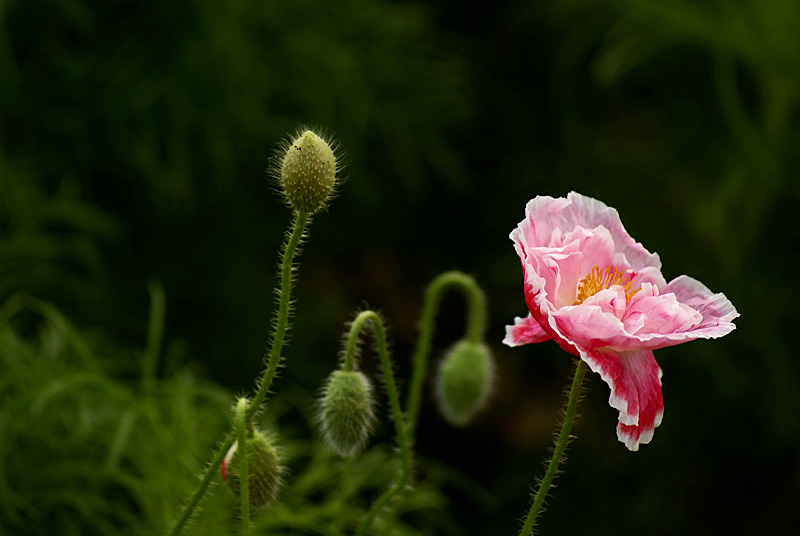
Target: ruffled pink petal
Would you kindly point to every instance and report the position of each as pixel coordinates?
(611, 300)
(559, 269)
(648, 274)
(652, 313)
(548, 220)
(682, 311)
(716, 310)
(525, 331)
(558, 243)
(591, 326)
(685, 310)
(635, 381)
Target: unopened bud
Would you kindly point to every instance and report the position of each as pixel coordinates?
(308, 172)
(264, 468)
(464, 382)
(346, 412)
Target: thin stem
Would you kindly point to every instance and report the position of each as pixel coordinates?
(352, 336)
(558, 452)
(155, 333)
(281, 323)
(204, 483)
(244, 476)
(287, 266)
(345, 491)
(394, 401)
(476, 325)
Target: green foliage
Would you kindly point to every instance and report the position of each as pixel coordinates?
(50, 238)
(172, 94)
(753, 51)
(133, 139)
(85, 451)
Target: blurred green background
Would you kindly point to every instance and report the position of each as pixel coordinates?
(134, 137)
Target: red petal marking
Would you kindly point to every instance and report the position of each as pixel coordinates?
(635, 381)
(525, 331)
(227, 460)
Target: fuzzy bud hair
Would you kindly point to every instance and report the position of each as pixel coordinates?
(264, 466)
(464, 382)
(346, 412)
(307, 169)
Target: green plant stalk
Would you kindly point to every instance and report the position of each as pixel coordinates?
(155, 333)
(244, 477)
(282, 321)
(394, 401)
(204, 483)
(287, 266)
(558, 451)
(343, 495)
(476, 325)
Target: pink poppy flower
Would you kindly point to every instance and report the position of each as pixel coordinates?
(601, 296)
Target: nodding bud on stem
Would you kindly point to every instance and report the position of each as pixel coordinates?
(346, 412)
(464, 382)
(308, 172)
(264, 468)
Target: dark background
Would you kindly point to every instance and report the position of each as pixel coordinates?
(134, 139)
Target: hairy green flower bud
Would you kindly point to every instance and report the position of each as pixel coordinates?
(264, 468)
(308, 172)
(464, 382)
(346, 412)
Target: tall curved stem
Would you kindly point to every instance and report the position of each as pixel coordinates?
(394, 401)
(476, 325)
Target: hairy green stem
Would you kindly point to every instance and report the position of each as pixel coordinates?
(244, 476)
(204, 483)
(558, 451)
(476, 325)
(282, 321)
(394, 401)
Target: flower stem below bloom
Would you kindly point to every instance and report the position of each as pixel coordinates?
(558, 452)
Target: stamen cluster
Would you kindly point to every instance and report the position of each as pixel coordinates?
(597, 280)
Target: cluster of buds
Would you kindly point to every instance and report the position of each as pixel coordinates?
(307, 173)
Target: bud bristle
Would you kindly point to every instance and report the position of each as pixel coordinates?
(264, 466)
(464, 382)
(308, 172)
(346, 413)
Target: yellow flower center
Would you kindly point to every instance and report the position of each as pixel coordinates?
(597, 280)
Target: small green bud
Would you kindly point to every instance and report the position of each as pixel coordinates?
(308, 172)
(464, 382)
(263, 465)
(346, 412)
